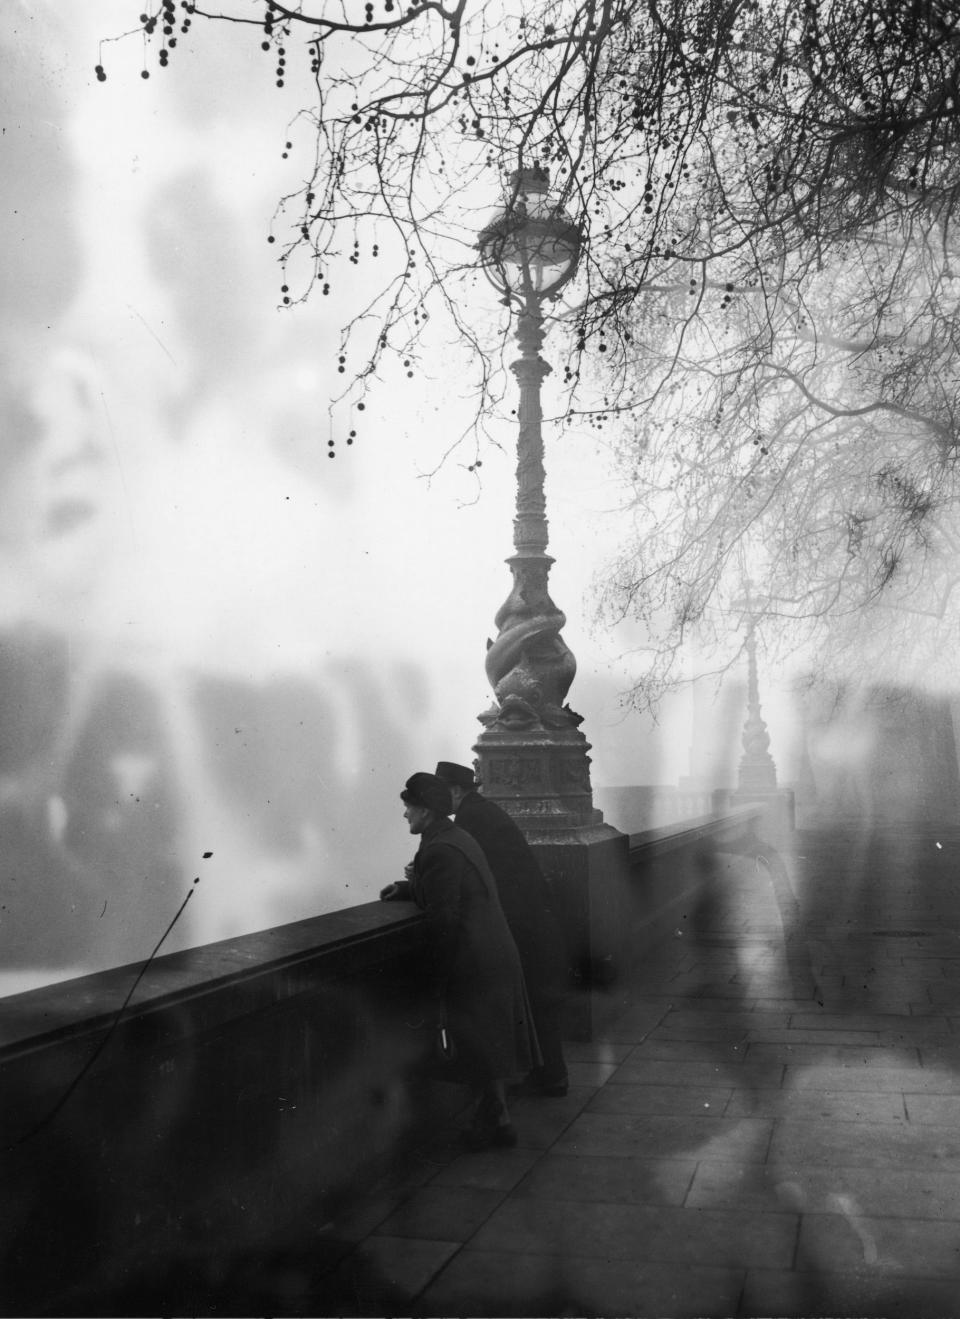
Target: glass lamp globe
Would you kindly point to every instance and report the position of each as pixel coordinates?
(531, 247)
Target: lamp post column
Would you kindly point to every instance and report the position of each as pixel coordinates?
(532, 757)
(530, 525)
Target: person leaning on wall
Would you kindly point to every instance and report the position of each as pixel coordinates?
(525, 898)
(476, 968)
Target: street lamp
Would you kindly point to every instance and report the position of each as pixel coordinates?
(758, 773)
(532, 756)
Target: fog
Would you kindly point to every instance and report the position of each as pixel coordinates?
(222, 652)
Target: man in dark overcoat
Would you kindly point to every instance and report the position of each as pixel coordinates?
(525, 898)
(475, 963)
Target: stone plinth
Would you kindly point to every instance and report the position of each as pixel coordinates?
(588, 870)
(541, 777)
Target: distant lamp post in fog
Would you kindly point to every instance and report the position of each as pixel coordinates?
(758, 773)
(757, 780)
(532, 756)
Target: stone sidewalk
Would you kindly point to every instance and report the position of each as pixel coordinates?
(769, 1128)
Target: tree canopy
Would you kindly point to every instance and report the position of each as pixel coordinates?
(764, 321)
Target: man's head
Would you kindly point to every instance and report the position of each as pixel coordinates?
(458, 778)
(426, 798)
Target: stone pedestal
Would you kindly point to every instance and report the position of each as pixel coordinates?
(540, 775)
(541, 778)
(588, 870)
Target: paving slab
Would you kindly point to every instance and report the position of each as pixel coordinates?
(798, 1141)
(916, 1080)
(598, 1051)
(499, 1284)
(754, 1019)
(924, 1007)
(489, 1170)
(632, 1233)
(789, 1004)
(589, 1074)
(442, 1212)
(680, 1051)
(933, 1108)
(824, 1295)
(698, 1067)
(831, 1053)
(540, 1122)
(636, 1023)
(696, 986)
(942, 1054)
(671, 1137)
(834, 1038)
(784, 986)
(885, 1022)
(491, 1283)
(379, 1277)
(599, 1178)
(667, 1099)
(360, 1218)
(852, 1239)
(721, 1006)
(889, 1192)
(706, 1033)
(843, 1105)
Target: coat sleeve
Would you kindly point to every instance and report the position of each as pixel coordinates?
(438, 890)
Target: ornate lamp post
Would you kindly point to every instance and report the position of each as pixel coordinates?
(757, 769)
(758, 772)
(532, 756)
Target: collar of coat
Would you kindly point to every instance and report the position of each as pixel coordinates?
(437, 827)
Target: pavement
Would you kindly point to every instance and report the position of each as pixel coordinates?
(770, 1127)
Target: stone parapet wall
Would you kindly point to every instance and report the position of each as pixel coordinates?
(246, 1086)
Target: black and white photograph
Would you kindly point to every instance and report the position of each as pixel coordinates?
(480, 659)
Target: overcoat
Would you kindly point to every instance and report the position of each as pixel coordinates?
(475, 960)
(523, 894)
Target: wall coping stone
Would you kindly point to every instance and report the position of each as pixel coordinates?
(257, 969)
(670, 837)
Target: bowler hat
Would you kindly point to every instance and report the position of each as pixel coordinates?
(458, 776)
(428, 791)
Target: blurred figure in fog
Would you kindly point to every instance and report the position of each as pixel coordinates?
(476, 968)
(525, 899)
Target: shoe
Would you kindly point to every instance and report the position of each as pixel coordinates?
(505, 1135)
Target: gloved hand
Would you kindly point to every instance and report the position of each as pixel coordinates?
(396, 891)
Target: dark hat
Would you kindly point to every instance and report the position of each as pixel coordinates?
(458, 776)
(428, 791)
